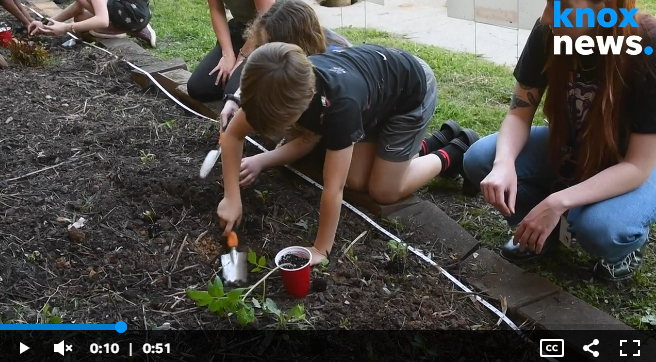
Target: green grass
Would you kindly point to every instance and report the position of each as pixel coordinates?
(474, 92)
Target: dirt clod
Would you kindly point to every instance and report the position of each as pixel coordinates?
(76, 235)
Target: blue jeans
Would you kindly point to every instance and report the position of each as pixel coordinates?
(610, 229)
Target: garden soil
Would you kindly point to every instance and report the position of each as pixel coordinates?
(80, 141)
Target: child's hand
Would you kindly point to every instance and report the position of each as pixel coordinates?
(229, 214)
(317, 256)
(224, 69)
(250, 169)
(55, 28)
(34, 27)
(229, 110)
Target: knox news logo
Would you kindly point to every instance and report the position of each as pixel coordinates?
(606, 18)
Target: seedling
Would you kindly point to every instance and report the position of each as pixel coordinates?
(259, 263)
(53, 316)
(168, 124)
(146, 156)
(303, 224)
(28, 53)
(296, 315)
(398, 251)
(263, 195)
(32, 257)
(88, 204)
(149, 216)
(350, 255)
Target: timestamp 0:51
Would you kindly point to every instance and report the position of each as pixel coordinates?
(115, 348)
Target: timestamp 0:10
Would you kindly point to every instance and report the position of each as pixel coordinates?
(114, 348)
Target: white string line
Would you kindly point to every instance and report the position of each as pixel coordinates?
(349, 206)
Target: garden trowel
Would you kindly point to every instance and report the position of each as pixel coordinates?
(234, 263)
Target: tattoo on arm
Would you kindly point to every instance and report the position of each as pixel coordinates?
(516, 102)
(533, 99)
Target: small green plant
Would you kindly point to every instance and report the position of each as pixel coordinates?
(223, 303)
(296, 315)
(146, 156)
(262, 195)
(350, 255)
(259, 263)
(170, 124)
(32, 257)
(49, 316)
(398, 251)
(303, 223)
(149, 216)
(88, 204)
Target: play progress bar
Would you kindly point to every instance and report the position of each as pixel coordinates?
(119, 327)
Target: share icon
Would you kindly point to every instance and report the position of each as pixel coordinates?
(586, 348)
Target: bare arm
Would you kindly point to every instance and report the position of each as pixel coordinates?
(232, 149)
(220, 26)
(262, 7)
(516, 127)
(624, 177)
(14, 10)
(335, 171)
(98, 21)
(288, 153)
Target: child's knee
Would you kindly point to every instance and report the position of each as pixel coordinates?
(384, 196)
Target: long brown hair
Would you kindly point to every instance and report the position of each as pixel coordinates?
(290, 21)
(603, 131)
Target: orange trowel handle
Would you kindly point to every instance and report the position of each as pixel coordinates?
(232, 240)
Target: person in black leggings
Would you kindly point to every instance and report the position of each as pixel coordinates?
(223, 62)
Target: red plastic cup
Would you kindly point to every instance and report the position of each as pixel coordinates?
(5, 37)
(296, 281)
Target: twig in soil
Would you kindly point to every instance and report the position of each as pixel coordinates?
(175, 264)
(49, 168)
(353, 242)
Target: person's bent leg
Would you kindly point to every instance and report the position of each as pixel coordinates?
(617, 230)
(535, 178)
(133, 18)
(233, 83)
(362, 161)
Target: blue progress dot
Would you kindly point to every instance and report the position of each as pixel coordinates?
(648, 50)
(121, 327)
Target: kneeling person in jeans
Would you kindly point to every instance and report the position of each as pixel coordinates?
(102, 19)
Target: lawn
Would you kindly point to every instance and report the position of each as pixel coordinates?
(476, 93)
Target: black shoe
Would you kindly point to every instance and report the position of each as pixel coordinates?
(623, 269)
(511, 252)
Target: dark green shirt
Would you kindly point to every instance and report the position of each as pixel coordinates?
(244, 11)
